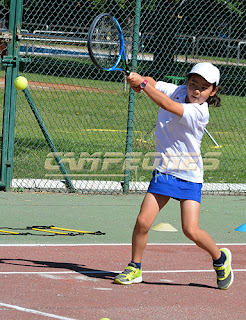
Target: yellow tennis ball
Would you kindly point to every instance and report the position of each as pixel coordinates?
(105, 319)
(21, 83)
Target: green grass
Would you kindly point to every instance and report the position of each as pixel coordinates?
(96, 122)
(217, 59)
(76, 121)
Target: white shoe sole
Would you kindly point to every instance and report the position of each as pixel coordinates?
(136, 280)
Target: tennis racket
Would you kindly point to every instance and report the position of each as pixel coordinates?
(106, 44)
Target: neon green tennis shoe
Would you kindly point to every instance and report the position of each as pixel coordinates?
(224, 272)
(130, 275)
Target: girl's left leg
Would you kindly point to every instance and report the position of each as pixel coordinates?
(190, 211)
(222, 258)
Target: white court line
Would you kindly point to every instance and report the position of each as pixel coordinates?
(106, 272)
(107, 244)
(11, 306)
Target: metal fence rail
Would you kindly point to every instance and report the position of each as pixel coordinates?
(104, 142)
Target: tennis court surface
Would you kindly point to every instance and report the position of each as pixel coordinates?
(70, 276)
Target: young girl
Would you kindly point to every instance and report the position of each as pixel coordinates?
(182, 117)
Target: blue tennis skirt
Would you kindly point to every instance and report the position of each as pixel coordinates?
(174, 187)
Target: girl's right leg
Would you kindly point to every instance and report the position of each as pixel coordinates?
(151, 206)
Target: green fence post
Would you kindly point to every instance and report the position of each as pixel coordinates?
(5, 129)
(131, 103)
(15, 70)
(11, 62)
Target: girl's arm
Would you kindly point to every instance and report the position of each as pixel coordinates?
(151, 81)
(162, 100)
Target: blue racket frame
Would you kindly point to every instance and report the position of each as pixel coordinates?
(122, 51)
(122, 54)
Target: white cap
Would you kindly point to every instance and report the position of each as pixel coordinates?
(208, 71)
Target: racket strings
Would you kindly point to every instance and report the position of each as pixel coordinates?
(105, 42)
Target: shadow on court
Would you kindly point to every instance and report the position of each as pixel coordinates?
(72, 277)
(79, 268)
(89, 272)
(73, 282)
(197, 285)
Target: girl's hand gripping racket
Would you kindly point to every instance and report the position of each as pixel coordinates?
(106, 44)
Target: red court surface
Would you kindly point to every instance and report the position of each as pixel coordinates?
(76, 282)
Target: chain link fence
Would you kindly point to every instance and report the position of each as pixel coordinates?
(85, 110)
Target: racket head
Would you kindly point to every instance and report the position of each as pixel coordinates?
(106, 44)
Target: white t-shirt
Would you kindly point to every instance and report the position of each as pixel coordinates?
(178, 139)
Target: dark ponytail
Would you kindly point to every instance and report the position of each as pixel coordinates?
(214, 101)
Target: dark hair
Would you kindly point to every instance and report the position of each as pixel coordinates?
(213, 101)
